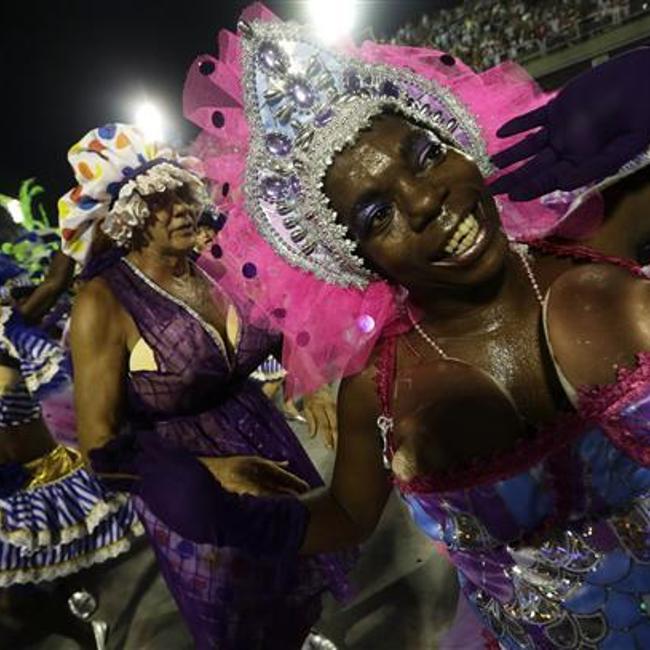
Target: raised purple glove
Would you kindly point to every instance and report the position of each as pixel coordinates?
(183, 493)
(596, 123)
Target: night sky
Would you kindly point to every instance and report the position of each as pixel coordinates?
(70, 65)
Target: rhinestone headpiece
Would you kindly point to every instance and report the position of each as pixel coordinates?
(306, 103)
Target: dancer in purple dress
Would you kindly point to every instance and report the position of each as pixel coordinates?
(154, 352)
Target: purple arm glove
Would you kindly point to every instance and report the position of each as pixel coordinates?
(183, 493)
(596, 123)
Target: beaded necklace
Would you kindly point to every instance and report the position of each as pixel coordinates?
(522, 251)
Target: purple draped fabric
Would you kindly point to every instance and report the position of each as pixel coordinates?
(203, 401)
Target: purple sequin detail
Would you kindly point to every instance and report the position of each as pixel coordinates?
(220, 221)
(389, 89)
(303, 338)
(249, 270)
(271, 57)
(274, 188)
(302, 94)
(366, 323)
(206, 67)
(278, 144)
(352, 81)
(324, 117)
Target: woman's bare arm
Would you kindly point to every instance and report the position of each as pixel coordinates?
(348, 511)
(59, 277)
(99, 356)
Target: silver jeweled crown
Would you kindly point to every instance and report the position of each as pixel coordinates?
(306, 103)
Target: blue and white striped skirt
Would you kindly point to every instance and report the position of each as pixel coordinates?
(62, 520)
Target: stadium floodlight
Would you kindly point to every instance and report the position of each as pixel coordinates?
(332, 19)
(149, 119)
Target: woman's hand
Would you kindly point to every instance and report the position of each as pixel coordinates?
(254, 476)
(319, 409)
(182, 491)
(596, 123)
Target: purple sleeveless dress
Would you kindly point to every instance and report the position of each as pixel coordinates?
(204, 402)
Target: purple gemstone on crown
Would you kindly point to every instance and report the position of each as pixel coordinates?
(389, 89)
(274, 188)
(324, 117)
(303, 95)
(352, 81)
(271, 57)
(278, 144)
(294, 185)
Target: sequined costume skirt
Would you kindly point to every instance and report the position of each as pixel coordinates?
(56, 518)
(584, 588)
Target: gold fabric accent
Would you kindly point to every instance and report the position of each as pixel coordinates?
(232, 326)
(9, 378)
(54, 466)
(142, 357)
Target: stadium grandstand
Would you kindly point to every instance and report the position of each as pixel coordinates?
(553, 39)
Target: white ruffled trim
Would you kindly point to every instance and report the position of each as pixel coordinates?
(30, 418)
(47, 573)
(34, 540)
(5, 315)
(47, 372)
(104, 505)
(130, 210)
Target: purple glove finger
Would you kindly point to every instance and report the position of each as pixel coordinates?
(118, 456)
(521, 123)
(547, 181)
(606, 163)
(528, 147)
(510, 182)
(566, 175)
(181, 491)
(595, 124)
(132, 485)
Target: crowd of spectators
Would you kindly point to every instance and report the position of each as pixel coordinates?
(484, 32)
